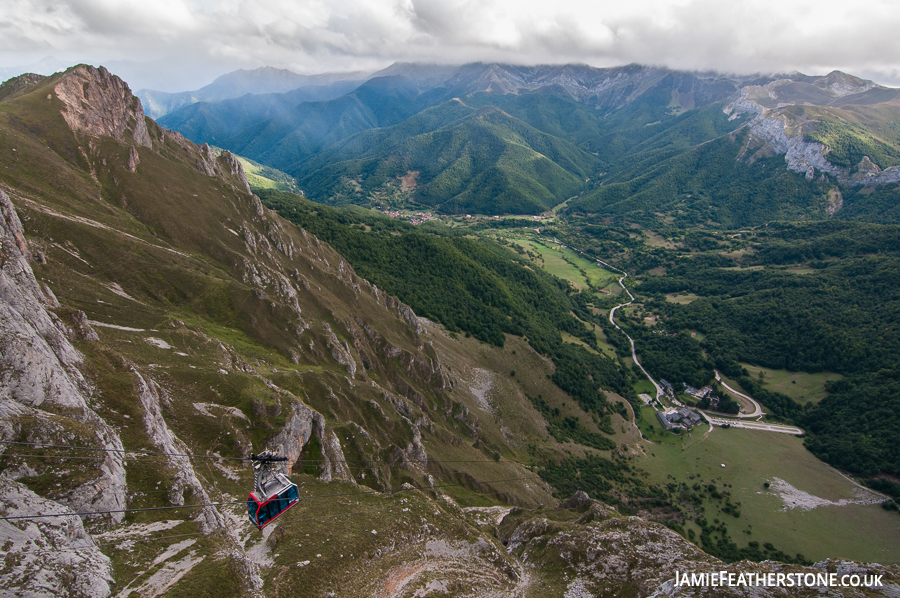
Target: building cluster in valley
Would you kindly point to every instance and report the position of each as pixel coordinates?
(414, 219)
(682, 418)
(703, 393)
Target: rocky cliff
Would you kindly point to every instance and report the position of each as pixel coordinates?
(158, 324)
(151, 303)
(777, 126)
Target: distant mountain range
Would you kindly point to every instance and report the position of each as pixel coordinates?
(265, 80)
(495, 138)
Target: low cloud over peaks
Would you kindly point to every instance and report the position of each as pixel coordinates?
(206, 38)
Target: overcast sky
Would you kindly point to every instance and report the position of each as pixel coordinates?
(176, 45)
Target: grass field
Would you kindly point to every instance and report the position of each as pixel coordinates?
(801, 270)
(800, 386)
(644, 385)
(568, 338)
(569, 265)
(681, 298)
(603, 343)
(264, 177)
(751, 458)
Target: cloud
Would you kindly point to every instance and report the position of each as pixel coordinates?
(206, 36)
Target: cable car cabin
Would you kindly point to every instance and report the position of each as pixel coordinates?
(281, 494)
(274, 492)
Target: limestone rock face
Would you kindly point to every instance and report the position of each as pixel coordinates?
(185, 478)
(35, 347)
(133, 160)
(99, 104)
(777, 131)
(41, 382)
(54, 555)
(39, 372)
(299, 428)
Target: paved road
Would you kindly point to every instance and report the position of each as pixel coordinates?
(612, 313)
(737, 423)
(714, 421)
(757, 410)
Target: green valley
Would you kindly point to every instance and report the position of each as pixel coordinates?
(452, 300)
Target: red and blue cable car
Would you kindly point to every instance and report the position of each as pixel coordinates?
(273, 493)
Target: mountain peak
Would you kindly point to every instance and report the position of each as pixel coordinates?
(842, 84)
(97, 103)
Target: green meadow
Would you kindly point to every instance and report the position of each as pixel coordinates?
(803, 387)
(567, 264)
(752, 458)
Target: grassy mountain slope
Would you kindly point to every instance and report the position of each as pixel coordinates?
(199, 296)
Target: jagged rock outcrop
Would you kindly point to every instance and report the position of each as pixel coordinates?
(340, 351)
(40, 376)
(184, 478)
(133, 160)
(604, 553)
(97, 104)
(299, 428)
(20, 83)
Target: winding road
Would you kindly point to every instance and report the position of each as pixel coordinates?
(713, 420)
(757, 410)
(612, 313)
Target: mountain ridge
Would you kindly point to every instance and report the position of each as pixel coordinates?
(607, 112)
(153, 305)
(262, 80)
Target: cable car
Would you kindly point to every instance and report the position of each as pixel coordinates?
(273, 493)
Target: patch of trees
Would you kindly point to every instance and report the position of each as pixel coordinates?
(597, 476)
(726, 404)
(570, 429)
(674, 357)
(715, 540)
(856, 426)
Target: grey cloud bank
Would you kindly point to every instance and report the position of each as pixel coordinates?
(174, 45)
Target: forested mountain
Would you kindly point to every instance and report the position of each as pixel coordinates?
(207, 121)
(702, 148)
(454, 158)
